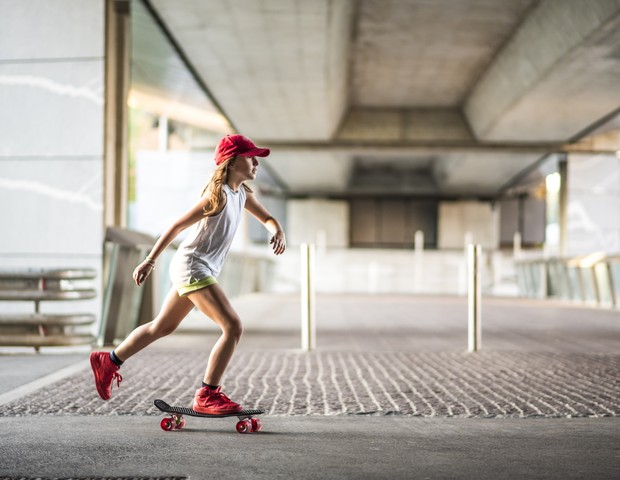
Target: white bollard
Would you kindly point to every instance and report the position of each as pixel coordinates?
(418, 243)
(473, 298)
(308, 315)
(516, 245)
(418, 276)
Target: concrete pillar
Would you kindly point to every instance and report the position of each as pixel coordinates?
(117, 58)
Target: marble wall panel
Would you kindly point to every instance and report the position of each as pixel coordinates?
(593, 223)
(594, 173)
(51, 109)
(593, 220)
(51, 141)
(51, 29)
(51, 207)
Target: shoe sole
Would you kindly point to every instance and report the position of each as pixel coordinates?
(93, 360)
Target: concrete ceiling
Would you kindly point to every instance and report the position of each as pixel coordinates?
(448, 97)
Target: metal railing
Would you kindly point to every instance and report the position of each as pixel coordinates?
(125, 306)
(38, 329)
(592, 279)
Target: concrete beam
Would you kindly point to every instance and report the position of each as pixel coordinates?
(555, 77)
(407, 125)
(390, 148)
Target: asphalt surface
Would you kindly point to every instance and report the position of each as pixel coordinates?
(389, 393)
(311, 447)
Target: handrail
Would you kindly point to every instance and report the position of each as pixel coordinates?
(47, 318)
(46, 295)
(49, 274)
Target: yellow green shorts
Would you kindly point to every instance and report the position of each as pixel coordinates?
(195, 285)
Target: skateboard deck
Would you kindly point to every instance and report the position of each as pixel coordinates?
(246, 424)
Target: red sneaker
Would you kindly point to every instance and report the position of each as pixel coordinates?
(214, 402)
(106, 371)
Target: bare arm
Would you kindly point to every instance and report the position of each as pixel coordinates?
(278, 240)
(194, 215)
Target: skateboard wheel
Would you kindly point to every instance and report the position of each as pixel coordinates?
(244, 426)
(167, 424)
(256, 425)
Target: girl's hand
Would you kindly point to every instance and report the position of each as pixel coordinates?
(279, 243)
(142, 271)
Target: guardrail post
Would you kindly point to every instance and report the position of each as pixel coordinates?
(473, 297)
(308, 315)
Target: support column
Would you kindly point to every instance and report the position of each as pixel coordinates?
(117, 66)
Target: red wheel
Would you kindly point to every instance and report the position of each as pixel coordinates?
(179, 422)
(256, 425)
(244, 426)
(167, 424)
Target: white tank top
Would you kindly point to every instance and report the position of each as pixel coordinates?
(203, 251)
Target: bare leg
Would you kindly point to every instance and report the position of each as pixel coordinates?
(212, 301)
(173, 311)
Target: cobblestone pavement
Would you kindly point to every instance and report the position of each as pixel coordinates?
(428, 384)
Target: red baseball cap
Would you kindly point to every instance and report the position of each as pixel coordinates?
(232, 145)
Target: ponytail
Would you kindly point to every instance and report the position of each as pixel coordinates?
(214, 189)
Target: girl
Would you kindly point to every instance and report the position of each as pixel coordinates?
(194, 270)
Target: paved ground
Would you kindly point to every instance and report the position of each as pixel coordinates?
(18, 370)
(432, 384)
(390, 393)
(312, 447)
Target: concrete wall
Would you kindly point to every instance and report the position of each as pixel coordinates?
(478, 218)
(277, 208)
(593, 218)
(526, 216)
(308, 218)
(51, 137)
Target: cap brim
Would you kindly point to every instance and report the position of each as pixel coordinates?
(255, 152)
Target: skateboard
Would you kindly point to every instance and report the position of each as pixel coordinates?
(246, 424)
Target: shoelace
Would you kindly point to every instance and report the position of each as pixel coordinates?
(220, 396)
(224, 397)
(117, 376)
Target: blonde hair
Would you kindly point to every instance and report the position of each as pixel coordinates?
(214, 187)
